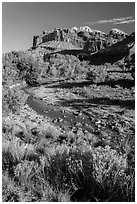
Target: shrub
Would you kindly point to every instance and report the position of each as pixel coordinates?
(66, 67)
(12, 99)
(99, 172)
(13, 152)
(10, 73)
(70, 172)
(97, 74)
(10, 192)
(109, 172)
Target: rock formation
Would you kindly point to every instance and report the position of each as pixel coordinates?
(82, 38)
(88, 44)
(114, 52)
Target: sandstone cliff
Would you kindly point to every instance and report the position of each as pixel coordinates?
(114, 52)
(87, 44)
(78, 38)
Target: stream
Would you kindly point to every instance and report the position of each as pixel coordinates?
(61, 117)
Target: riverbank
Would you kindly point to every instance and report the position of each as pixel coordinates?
(103, 111)
(69, 142)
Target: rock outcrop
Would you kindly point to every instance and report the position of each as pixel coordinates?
(78, 38)
(117, 33)
(114, 52)
(88, 44)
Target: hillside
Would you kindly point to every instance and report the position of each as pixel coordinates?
(86, 44)
(68, 131)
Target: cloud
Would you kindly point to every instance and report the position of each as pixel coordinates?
(114, 21)
(125, 22)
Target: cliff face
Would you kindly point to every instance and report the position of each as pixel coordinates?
(82, 38)
(115, 52)
(86, 44)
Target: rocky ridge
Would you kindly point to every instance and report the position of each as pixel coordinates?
(88, 44)
(114, 52)
(78, 38)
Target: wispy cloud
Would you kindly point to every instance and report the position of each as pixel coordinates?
(125, 22)
(113, 21)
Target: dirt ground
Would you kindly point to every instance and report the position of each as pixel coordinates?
(91, 120)
(105, 109)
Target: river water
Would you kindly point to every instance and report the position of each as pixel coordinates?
(60, 116)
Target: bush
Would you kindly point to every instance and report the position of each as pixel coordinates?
(13, 152)
(18, 66)
(12, 99)
(10, 73)
(97, 74)
(66, 67)
(10, 192)
(97, 172)
(64, 173)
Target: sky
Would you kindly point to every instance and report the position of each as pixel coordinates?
(22, 20)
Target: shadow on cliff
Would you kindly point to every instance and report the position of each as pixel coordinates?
(80, 53)
(110, 54)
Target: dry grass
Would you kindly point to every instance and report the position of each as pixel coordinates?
(38, 167)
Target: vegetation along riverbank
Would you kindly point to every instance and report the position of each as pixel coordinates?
(68, 122)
